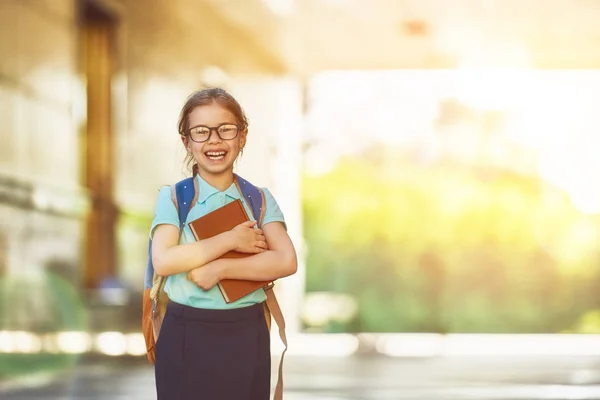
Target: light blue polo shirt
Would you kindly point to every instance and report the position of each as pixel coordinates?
(178, 287)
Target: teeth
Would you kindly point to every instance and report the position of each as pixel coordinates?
(215, 153)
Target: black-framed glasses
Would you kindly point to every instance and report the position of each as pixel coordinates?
(202, 133)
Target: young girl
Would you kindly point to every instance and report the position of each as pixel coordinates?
(208, 349)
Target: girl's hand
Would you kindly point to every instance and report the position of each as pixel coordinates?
(249, 239)
(206, 276)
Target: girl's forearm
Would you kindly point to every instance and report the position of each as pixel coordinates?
(270, 265)
(186, 257)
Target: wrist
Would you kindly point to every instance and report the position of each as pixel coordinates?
(219, 267)
(231, 240)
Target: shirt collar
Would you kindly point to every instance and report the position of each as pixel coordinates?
(206, 190)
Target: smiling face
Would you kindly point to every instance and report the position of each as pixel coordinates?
(215, 156)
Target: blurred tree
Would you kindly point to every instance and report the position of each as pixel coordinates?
(448, 248)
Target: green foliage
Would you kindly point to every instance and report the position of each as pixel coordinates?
(17, 365)
(41, 303)
(588, 323)
(44, 303)
(447, 249)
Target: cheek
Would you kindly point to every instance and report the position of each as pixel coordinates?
(195, 148)
(239, 144)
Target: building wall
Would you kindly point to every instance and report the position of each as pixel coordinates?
(41, 202)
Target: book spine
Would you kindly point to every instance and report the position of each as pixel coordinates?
(224, 293)
(193, 231)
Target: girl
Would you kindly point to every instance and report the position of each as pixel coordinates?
(208, 349)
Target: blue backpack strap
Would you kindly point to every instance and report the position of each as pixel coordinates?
(184, 196)
(254, 196)
(149, 268)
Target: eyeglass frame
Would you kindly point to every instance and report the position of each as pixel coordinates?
(211, 129)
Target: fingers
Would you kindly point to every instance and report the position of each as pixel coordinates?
(258, 247)
(254, 249)
(249, 224)
(261, 244)
(260, 238)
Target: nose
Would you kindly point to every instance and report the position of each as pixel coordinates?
(214, 138)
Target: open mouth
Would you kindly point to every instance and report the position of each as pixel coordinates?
(215, 155)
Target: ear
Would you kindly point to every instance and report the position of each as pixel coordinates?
(243, 138)
(184, 140)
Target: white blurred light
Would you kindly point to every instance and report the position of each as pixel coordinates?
(26, 342)
(573, 171)
(6, 344)
(111, 343)
(426, 345)
(73, 342)
(494, 76)
(136, 345)
(322, 307)
(316, 344)
(519, 345)
(488, 89)
(333, 345)
(408, 345)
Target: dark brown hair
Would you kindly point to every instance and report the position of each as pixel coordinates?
(202, 98)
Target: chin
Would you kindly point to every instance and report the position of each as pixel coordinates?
(216, 169)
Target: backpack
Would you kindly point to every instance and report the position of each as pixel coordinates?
(184, 195)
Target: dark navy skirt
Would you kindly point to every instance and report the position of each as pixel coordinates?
(213, 354)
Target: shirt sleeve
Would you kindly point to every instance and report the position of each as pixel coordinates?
(165, 212)
(273, 213)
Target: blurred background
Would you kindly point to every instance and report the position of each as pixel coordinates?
(437, 164)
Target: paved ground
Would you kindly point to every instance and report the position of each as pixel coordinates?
(355, 378)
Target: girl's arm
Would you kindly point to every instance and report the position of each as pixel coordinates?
(169, 258)
(277, 262)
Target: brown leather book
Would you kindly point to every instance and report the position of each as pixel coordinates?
(222, 220)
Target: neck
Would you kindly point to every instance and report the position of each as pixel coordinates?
(220, 181)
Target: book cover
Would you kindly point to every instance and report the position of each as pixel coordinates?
(218, 221)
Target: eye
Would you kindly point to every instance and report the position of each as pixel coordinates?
(199, 130)
(227, 128)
